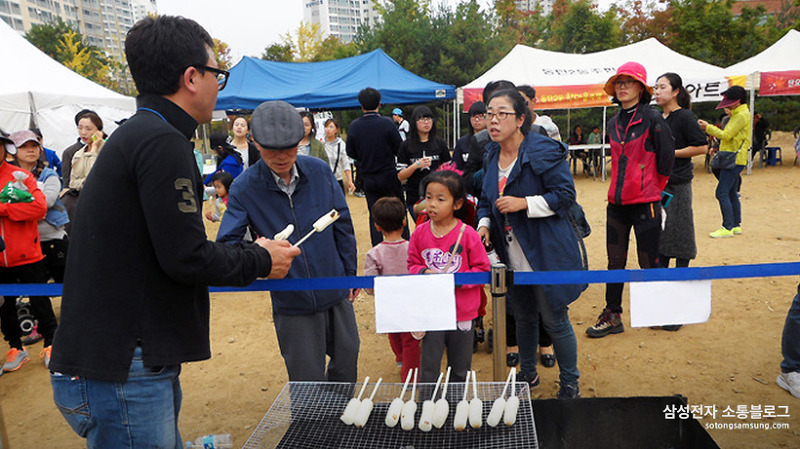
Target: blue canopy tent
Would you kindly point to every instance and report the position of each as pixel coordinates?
(327, 84)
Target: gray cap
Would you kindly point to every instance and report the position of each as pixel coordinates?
(276, 125)
(7, 143)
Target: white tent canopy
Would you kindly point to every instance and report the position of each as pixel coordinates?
(781, 56)
(34, 87)
(526, 65)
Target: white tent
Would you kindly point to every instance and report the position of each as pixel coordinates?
(780, 56)
(567, 71)
(35, 88)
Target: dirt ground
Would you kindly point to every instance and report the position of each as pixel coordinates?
(731, 360)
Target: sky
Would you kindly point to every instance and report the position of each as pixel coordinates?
(249, 26)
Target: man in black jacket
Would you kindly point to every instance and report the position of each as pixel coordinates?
(373, 142)
(135, 302)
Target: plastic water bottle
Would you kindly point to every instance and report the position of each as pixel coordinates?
(216, 441)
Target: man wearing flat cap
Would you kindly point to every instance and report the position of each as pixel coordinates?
(281, 189)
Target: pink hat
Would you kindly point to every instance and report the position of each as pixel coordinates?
(632, 69)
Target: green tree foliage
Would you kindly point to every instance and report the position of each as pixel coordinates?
(281, 52)
(708, 30)
(578, 27)
(65, 44)
(446, 45)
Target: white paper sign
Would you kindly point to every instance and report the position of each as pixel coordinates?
(415, 303)
(672, 302)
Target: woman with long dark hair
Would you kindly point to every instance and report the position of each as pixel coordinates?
(228, 159)
(310, 146)
(420, 154)
(246, 149)
(642, 154)
(678, 239)
(524, 211)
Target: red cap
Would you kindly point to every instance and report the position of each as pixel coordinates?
(632, 69)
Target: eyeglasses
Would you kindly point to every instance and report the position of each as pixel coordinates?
(222, 75)
(480, 116)
(425, 119)
(624, 83)
(502, 115)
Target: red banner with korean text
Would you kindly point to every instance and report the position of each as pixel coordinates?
(779, 83)
(556, 97)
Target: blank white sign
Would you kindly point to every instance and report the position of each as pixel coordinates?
(415, 303)
(670, 302)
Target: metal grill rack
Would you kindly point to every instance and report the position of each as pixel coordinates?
(306, 415)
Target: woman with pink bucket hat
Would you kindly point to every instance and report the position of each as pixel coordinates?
(642, 155)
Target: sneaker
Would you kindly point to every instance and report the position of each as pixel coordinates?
(736, 230)
(607, 323)
(32, 338)
(531, 379)
(15, 359)
(569, 392)
(721, 233)
(45, 355)
(790, 382)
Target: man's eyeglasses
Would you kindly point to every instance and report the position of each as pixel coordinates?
(480, 116)
(222, 75)
(502, 115)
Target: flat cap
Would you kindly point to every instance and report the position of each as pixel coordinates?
(276, 125)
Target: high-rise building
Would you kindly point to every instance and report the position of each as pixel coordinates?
(103, 23)
(340, 18)
(545, 6)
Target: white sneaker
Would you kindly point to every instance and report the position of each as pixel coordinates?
(790, 382)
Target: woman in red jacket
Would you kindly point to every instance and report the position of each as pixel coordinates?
(22, 259)
(642, 155)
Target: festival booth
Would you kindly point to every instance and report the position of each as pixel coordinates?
(36, 90)
(775, 71)
(327, 85)
(567, 80)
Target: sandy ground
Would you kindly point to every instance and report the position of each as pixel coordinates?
(731, 360)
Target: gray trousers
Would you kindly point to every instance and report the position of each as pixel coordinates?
(305, 340)
(459, 354)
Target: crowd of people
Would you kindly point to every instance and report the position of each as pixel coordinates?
(130, 318)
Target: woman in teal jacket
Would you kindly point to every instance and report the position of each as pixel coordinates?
(524, 209)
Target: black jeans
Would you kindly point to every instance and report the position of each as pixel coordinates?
(645, 219)
(33, 273)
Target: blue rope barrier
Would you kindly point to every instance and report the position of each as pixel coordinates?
(520, 278)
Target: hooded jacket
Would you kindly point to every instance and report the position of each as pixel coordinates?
(549, 243)
(19, 221)
(255, 200)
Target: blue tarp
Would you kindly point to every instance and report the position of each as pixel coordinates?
(327, 84)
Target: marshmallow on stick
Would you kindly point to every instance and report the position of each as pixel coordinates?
(442, 408)
(426, 418)
(462, 409)
(396, 407)
(512, 404)
(475, 405)
(352, 406)
(410, 407)
(320, 225)
(365, 409)
(283, 235)
(496, 413)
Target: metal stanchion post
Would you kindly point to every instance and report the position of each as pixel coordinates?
(498, 289)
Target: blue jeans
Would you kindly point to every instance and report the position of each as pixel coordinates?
(528, 303)
(791, 337)
(141, 412)
(728, 197)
